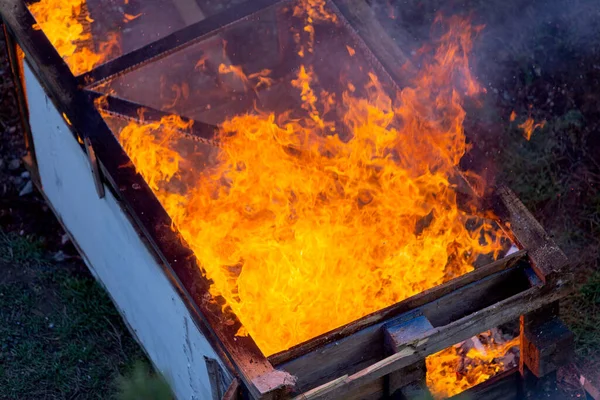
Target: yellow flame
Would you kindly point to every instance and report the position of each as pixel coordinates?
(62, 22)
(303, 228)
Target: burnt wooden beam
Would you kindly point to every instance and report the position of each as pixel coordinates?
(534, 388)
(414, 391)
(416, 373)
(397, 333)
(546, 347)
(441, 337)
(399, 382)
(233, 391)
(366, 347)
(504, 386)
(546, 342)
(548, 260)
(175, 41)
(418, 300)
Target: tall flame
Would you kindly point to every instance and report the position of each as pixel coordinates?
(308, 221)
(450, 372)
(62, 21)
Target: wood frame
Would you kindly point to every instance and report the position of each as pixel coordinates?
(346, 360)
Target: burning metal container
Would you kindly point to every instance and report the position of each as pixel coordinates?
(270, 192)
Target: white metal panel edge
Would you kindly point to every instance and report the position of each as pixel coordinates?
(115, 253)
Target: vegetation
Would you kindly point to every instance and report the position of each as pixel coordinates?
(60, 335)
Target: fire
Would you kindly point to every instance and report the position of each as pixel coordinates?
(63, 23)
(312, 218)
(529, 126)
(454, 370)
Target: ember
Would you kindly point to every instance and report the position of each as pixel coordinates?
(302, 227)
(462, 366)
(529, 126)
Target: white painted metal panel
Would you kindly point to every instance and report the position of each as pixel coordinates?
(115, 254)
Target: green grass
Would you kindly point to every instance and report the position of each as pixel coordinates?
(18, 249)
(142, 384)
(583, 317)
(60, 335)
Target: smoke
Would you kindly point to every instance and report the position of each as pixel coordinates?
(532, 56)
(539, 33)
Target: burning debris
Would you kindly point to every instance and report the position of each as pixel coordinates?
(464, 365)
(528, 126)
(308, 218)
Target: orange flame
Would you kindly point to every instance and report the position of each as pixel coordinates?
(62, 23)
(302, 227)
(129, 17)
(450, 371)
(529, 126)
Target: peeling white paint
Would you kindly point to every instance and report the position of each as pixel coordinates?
(115, 254)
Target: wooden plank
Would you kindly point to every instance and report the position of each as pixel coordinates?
(365, 347)
(442, 337)
(476, 296)
(546, 257)
(416, 372)
(346, 356)
(401, 307)
(116, 255)
(397, 334)
(547, 347)
(534, 388)
(219, 380)
(372, 391)
(233, 391)
(546, 343)
(504, 386)
(414, 391)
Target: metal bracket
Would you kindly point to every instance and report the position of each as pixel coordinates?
(95, 167)
(219, 379)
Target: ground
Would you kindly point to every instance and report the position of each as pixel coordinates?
(60, 337)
